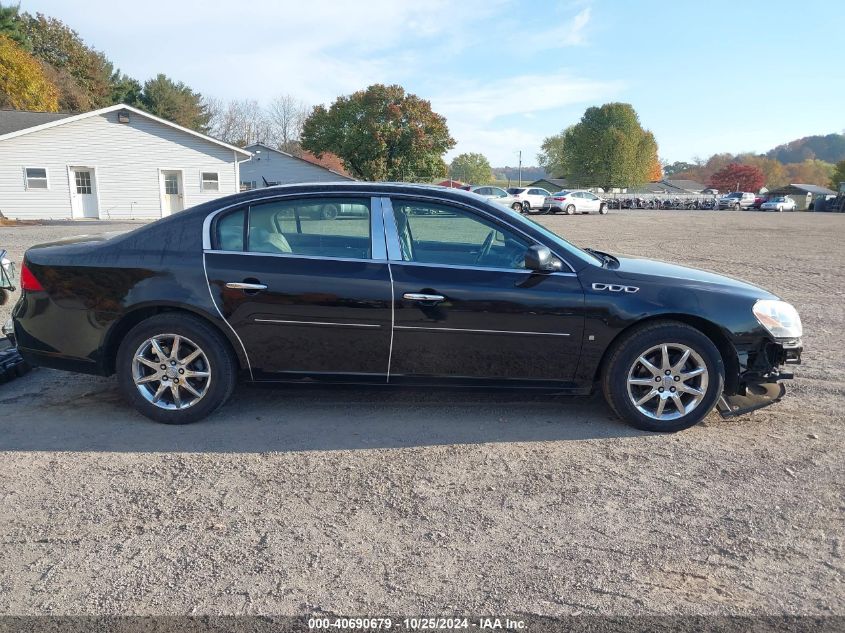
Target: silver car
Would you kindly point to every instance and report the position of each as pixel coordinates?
(575, 201)
(499, 196)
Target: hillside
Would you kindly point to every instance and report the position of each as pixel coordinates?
(829, 148)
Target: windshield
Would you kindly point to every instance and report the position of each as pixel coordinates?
(561, 193)
(567, 247)
(514, 190)
(734, 195)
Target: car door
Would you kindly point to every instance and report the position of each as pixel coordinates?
(538, 197)
(592, 201)
(466, 309)
(308, 293)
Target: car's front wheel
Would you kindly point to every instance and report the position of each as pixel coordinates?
(175, 368)
(664, 376)
(526, 207)
(570, 209)
(603, 209)
(516, 206)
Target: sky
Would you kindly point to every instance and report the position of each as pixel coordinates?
(705, 77)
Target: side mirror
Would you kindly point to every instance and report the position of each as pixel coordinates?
(540, 258)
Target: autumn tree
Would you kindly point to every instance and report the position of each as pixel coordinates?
(678, 167)
(607, 148)
(737, 177)
(471, 168)
(655, 172)
(774, 172)
(381, 133)
(809, 172)
(82, 74)
(838, 175)
(240, 123)
(175, 102)
(23, 85)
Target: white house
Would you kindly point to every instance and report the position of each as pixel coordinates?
(273, 167)
(116, 162)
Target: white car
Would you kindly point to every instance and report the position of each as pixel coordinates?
(499, 196)
(576, 201)
(530, 197)
(781, 203)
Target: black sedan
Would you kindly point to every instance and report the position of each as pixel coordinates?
(414, 285)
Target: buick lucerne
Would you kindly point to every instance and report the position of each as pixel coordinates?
(410, 285)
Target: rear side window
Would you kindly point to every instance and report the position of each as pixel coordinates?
(230, 231)
(314, 227)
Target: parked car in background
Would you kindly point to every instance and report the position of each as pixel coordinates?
(737, 200)
(530, 197)
(472, 295)
(780, 203)
(499, 196)
(759, 200)
(576, 201)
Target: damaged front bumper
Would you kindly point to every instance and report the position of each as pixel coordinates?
(760, 385)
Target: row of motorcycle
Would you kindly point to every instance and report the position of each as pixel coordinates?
(662, 203)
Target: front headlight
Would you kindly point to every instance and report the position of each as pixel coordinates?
(779, 318)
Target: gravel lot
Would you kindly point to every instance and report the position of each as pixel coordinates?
(418, 502)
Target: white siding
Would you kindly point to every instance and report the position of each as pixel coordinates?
(126, 157)
(284, 170)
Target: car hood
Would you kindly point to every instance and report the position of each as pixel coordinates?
(636, 268)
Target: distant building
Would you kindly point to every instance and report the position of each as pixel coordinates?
(270, 166)
(115, 162)
(804, 195)
(452, 184)
(550, 184)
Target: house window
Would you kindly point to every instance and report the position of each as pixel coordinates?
(210, 181)
(36, 177)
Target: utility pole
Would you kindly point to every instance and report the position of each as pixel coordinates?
(520, 168)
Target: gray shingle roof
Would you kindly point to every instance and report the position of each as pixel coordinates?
(689, 185)
(14, 120)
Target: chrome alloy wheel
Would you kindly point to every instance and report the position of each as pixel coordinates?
(171, 371)
(667, 381)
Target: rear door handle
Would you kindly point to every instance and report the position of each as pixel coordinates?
(416, 296)
(242, 285)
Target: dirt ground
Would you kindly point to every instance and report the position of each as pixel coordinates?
(419, 502)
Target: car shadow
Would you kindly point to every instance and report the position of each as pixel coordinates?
(54, 411)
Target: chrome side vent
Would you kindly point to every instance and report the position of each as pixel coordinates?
(615, 288)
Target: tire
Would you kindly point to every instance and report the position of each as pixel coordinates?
(570, 209)
(737, 207)
(329, 212)
(216, 360)
(526, 207)
(623, 364)
(603, 209)
(516, 206)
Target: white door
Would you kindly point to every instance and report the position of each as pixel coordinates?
(83, 193)
(594, 201)
(172, 191)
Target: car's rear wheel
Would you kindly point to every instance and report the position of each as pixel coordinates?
(664, 376)
(570, 209)
(175, 368)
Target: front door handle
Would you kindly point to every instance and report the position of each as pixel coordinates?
(242, 285)
(416, 296)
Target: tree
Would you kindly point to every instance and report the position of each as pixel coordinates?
(175, 102)
(82, 74)
(125, 89)
(678, 167)
(809, 172)
(655, 172)
(240, 123)
(551, 156)
(23, 85)
(838, 175)
(737, 177)
(381, 133)
(471, 168)
(12, 27)
(607, 148)
(285, 116)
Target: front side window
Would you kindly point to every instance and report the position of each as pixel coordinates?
(314, 227)
(36, 177)
(210, 181)
(438, 234)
